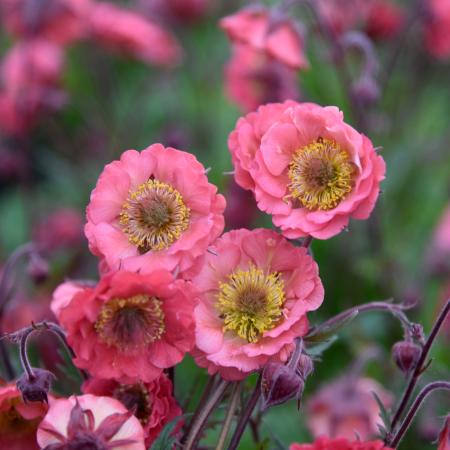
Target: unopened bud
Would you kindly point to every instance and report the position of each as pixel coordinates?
(279, 384)
(406, 354)
(366, 90)
(417, 332)
(305, 366)
(35, 389)
(38, 268)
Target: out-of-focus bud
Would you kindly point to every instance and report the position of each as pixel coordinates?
(279, 384)
(417, 332)
(35, 389)
(241, 208)
(444, 435)
(406, 355)
(305, 366)
(366, 90)
(38, 268)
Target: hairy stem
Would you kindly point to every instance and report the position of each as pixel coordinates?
(234, 400)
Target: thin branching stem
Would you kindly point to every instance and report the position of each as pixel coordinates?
(234, 401)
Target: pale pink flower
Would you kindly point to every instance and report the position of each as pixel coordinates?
(125, 31)
(278, 38)
(130, 327)
(87, 421)
(437, 28)
(347, 408)
(153, 402)
(154, 209)
(252, 79)
(256, 289)
(307, 167)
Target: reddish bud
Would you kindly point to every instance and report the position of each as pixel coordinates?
(38, 268)
(35, 389)
(305, 366)
(406, 355)
(366, 90)
(279, 384)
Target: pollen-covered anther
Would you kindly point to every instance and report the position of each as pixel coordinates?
(320, 175)
(131, 323)
(154, 216)
(250, 302)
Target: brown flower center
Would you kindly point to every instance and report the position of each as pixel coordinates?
(135, 397)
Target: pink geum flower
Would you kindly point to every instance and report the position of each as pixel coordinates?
(437, 28)
(130, 327)
(385, 20)
(444, 436)
(153, 403)
(127, 32)
(87, 421)
(252, 79)
(306, 167)
(256, 289)
(325, 443)
(60, 21)
(279, 38)
(347, 408)
(18, 420)
(154, 209)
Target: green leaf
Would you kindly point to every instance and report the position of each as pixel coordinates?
(166, 439)
(384, 413)
(320, 347)
(323, 332)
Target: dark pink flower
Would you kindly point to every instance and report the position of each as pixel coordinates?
(437, 28)
(153, 402)
(130, 327)
(385, 19)
(252, 79)
(444, 436)
(325, 443)
(87, 421)
(182, 11)
(255, 291)
(278, 38)
(125, 31)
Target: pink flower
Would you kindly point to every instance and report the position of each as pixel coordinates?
(183, 11)
(252, 78)
(18, 420)
(444, 436)
(437, 28)
(278, 38)
(154, 209)
(345, 407)
(306, 167)
(61, 21)
(127, 32)
(153, 402)
(255, 292)
(385, 19)
(88, 421)
(129, 327)
(325, 443)
(441, 239)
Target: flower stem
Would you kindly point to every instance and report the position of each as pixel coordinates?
(245, 416)
(234, 400)
(428, 389)
(24, 356)
(420, 365)
(206, 410)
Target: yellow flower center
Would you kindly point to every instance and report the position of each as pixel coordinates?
(251, 302)
(130, 323)
(154, 216)
(321, 175)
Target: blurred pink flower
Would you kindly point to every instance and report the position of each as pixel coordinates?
(384, 20)
(63, 228)
(347, 407)
(18, 420)
(306, 167)
(241, 207)
(441, 239)
(255, 290)
(125, 31)
(437, 28)
(88, 421)
(278, 38)
(444, 436)
(61, 21)
(182, 11)
(252, 79)
(325, 443)
(154, 209)
(130, 326)
(153, 402)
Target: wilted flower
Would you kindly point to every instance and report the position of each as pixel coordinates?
(306, 167)
(35, 388)
(325, 443)
(153, 403)
(130, 326)
(406, 354)
(345, 407)
(255, 292)
(279, 38)
(252, 79)
(87, 421)
(18, 420)
(154, 209)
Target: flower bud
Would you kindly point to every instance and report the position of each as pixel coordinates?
(38, 268)
(279, 384)
(305, 366)
(35, 389)
(366, 90)
(406, 355)
(417, 332)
